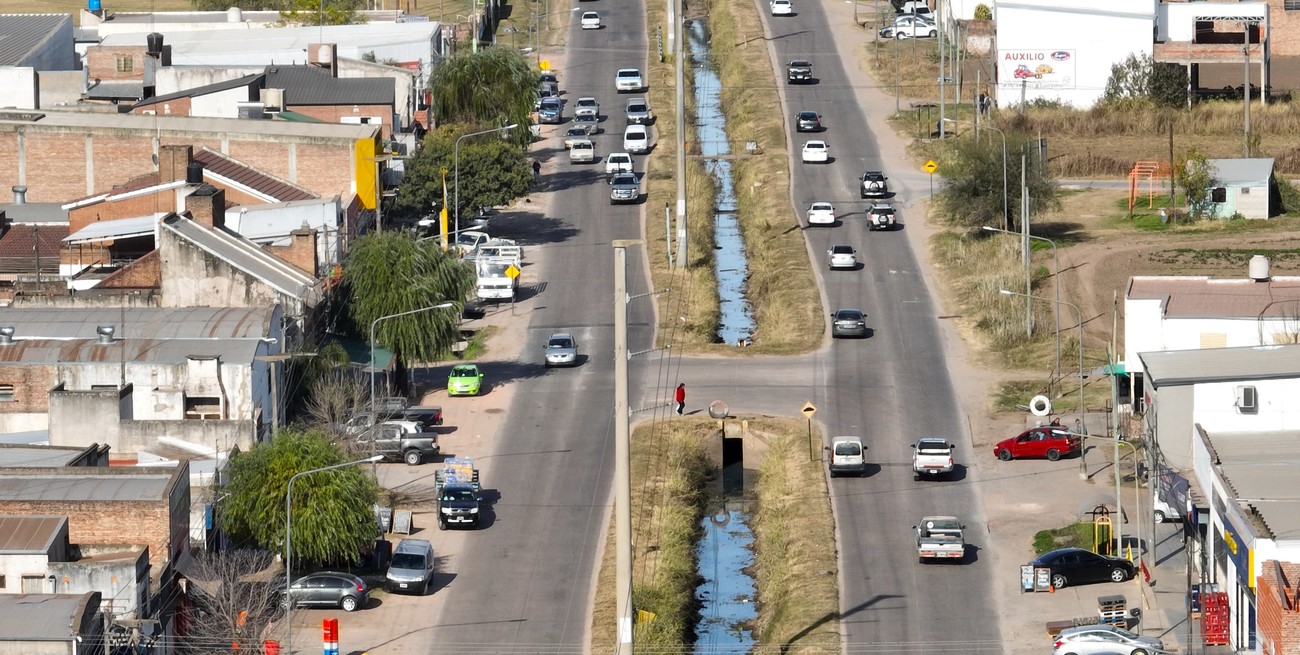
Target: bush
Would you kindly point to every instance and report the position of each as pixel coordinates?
(982, 12)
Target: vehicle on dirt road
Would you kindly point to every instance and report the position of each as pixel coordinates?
(1048, 441)
(1074, 566)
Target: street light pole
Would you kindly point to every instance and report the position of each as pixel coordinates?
(1083, 423)
(1056, 274)
(288, 543)
(1006, 215)
(374, 417)
(1137, 496)
(456, 163)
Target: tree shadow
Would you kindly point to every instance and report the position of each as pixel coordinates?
(1062, 232)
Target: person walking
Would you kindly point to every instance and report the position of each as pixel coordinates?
(537, 171)
(681, 398)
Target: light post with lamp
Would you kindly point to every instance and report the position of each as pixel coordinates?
(288, 543)
(1119, 508)
(1006, 216)
(1056, 274)
(456, 163)
(374, 417)
(1083, 423)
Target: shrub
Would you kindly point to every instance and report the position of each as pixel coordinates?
(982, 12)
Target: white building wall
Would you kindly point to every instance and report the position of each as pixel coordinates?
(1250, 202)
(1067, 46)
(271, 225)
(1146, 331)
(20, 85)
(170, 79)
(236, 381)
(14, 567)
(222, 104)
(1214, 406)
(1178, 19)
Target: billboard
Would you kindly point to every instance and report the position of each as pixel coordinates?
(1036, 69)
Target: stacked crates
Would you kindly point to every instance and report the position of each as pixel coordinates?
(1214, 618)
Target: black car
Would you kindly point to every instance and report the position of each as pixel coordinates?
(808, 121)
(1081, 566)
(329, 589)
(848, 323)
(874, 184)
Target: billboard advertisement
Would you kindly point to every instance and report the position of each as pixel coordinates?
(1036, 69)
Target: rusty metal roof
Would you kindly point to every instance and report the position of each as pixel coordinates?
(131, 351)
(141, 322)
(239, 173)
(22, 246)
(1207, 297)
(29, 534)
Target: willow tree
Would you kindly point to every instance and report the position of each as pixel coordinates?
(333, 512)
(389, 273)
(491, 88)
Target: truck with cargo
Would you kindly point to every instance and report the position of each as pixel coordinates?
(494, 281)
(940, 537)
(399, 441)
(457, 487)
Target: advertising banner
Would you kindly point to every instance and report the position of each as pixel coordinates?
(1036, 69)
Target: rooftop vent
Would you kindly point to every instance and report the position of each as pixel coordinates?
(105, 333)
(1259, 268)
(20, 194)
(6, 335)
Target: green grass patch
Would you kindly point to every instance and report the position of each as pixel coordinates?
(477, 345)
(1075, 535)
(1014, 395)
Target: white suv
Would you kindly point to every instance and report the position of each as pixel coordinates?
(628, 79)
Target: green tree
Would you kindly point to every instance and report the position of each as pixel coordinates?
(333, 515)
(308, 12)
(1141, 79)
(490, 88)
(391, 272)
(493, 172)
(972, 181)
(1195, 176)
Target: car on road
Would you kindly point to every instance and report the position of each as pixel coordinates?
(636, 139)
(882, 217)
(551, 111)
(848, 323)
(798, 70)
(1104, 638)
(412, 567)
(575, 133)
(329, 589)
(808, 121)
(815, 152)
(848, 455)
(561, 350)
(464, 380)
(1080, 566)
(874, 184)
(1163, 511)
(548, 76)
(1048, 441)
(624, 187)
(590, 20)
(821, 213)
(586, 106)
(841, 255)
(618, 162)
(781, 7)
(587, 122)
(932, 456)
(638, 112)
(629, 80)
(582, 151)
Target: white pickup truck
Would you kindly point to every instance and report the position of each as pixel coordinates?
(940, 537)
(931, 457)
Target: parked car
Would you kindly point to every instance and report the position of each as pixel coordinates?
(781, 7)
(842, 256)
(1080, 566)
(848, 323)
(618, 162)
(412, 567)
(329, 589)
(464, 380)
(586, 106)
(910, 26)
(638, 112)
(1163, 511)
(624, 187)
(874, 184)
(815, 152)
(628, 79)
(548, 76)
(1104, 638)
(821, 213)
(561, 350)
(590, 20)
(848, 454)
(808, 121)
(1050, 442)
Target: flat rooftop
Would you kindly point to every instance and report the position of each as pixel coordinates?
(1207, 297)
(68, 120)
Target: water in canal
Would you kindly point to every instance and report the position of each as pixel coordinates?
(727, 592)
(736, 321)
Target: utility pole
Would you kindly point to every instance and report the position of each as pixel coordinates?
(1246, 90)
(1024, 248)
(943, 81)
(622, 454)
(679, 71)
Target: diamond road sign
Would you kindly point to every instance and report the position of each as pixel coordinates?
(512, 271)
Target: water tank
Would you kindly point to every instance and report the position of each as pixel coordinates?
(105, 333)
(194, 173)
(154, 43)
(93, 5)
(1259, 268)
(273, 99)
(234, 15)
(325, 55)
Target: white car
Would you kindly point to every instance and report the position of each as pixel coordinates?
(815, 152)
(590, 20)
(628, 79)
(782, 8)
(618, 162)
(821, 213)
(1104, 638)
(910, 27)
(586, 106)
(636, 139)
(842, 256)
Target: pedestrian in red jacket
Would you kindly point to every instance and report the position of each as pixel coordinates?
(681, 398)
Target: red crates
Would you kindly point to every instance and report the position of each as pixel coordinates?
(1214, 618)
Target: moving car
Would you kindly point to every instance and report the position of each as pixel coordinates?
(882, 216)
(636, 139)
(575, 133)
(582, 151)
(781, 7)
(618, 162)
(1104, 638)
(329, 589)
(874, 184)
(1049, 441)
(561, 350)
(590, 20)
(638, 112)
(808, 121)
(1080, 566)
(848, 454)
(586, 106)
(815, 152)
(628, 79)
(551, 111)
(848, 323)
(624, 187)
(931, 456)
(587, 122)
(548, 76)
(821, 213)
(464, 380)
(842, 256)
(798, 70)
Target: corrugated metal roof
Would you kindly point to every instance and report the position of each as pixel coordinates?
(140, 322)
(1183, 367)
(22, 34)
(1206, 297)
(43, 617)
(312, 85)
(20, 456)
(1262, 469)
(87, 484)
(246, 256)
(115, 90)
(21, 246)
(190, 127)
(1252, 172)
(152, 351)
(120, 228)
(29, 534)
(217, 87)
(35, 213)
(215, 163)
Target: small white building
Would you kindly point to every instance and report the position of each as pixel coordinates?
(1242, 186)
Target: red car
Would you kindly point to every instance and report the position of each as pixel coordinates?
(1050, 442)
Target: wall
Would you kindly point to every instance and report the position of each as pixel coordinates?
(29, 410)
(195, 278)
(21, 87)
(170, 79)
(1173, 422)
(259, 222)
(56, 53)
(14, 567)
(1279, 620)
(222, 104)
(1250, 202)
(1284, 30)
(406, 83)
(1215, 407)
(216, 434)
(120, 575)
(1145, 331)
(336, 114)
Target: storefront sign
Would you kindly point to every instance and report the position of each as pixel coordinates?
(1237, 546)
(1036, 69)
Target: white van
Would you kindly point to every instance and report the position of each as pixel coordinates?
(412, 567)
(848, 454)
(636, 139)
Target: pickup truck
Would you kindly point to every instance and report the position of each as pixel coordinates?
(399, 441)
(394, 408)
(940, 537)
(931, 457)
(457, 487)
(799, 70)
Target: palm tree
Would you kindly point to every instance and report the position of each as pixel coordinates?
(491, 87)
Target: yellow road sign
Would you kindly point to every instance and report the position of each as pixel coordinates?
(808, 410)
(930, 166)
(512, 271)
(544, 65)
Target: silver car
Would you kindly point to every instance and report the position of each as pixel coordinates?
(842, 256)
(848, 323)
(1104, 638)
(561, 350)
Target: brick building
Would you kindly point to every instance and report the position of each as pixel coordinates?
(1279, 608)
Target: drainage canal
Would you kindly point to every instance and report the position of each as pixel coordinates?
(725, 556)
(736, 320)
